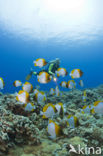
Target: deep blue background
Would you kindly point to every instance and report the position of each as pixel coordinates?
(16, 59)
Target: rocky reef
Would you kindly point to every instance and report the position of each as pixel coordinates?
(24, 133)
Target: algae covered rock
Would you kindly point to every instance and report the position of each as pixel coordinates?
(25, 132)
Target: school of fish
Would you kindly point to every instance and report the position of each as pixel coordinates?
(50, 110)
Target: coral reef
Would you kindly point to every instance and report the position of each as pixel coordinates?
(24, 133)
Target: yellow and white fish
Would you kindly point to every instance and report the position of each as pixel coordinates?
(97, 107)
(40, 62)
(40, 97)
(17, 83)
(84, 96)
(61, 72)
(71, 84)
(27, 87)
(52, 91)
(53, 129)
(29, 107)
(35, 91)
(87, 109)
(81, 83)
(64, 84)
(49, 111)
(2, 84)
(22, 97)
(44, 77)
(76, 73)
(60, 109)
(72, 121)
(57, 91)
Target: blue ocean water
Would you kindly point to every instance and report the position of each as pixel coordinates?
(16, 59)
(75, 36)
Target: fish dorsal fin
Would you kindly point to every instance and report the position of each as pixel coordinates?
(85, 93)
(51, 121)
(69, 116)
(84, 107)
(92, 111)
(21, 91)
(89, 106)
(45, 108)
(58, 69)
(26, 83)
(60, 103)
(42, 92)
(57, 129)
(75, 120)
(96, 103)
(32, 104)
(72, 71)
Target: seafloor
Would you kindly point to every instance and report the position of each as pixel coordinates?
(24, 134)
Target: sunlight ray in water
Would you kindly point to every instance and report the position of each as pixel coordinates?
(62, 20)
